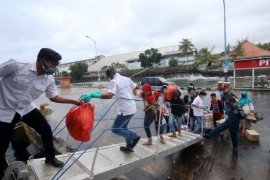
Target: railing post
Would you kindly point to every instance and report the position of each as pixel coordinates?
(94, 161)
(159, 121)
(97, 149)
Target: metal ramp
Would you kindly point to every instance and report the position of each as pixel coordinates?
(110, 161)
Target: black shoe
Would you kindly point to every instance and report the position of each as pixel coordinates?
(126, 149)
(206, 136)
(54, 162)
(135, 141)
(235, 152)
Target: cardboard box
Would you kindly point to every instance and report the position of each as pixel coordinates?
(252, 135)
(252, 118)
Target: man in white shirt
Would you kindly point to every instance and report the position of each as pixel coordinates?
(20, 85)
(198, 109)
(123, 88)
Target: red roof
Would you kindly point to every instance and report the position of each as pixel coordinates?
(251, 50)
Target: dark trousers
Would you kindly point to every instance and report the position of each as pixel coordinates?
(217, 117)
(233, 128)
(33, 119)
(167, 123)
(149, 117)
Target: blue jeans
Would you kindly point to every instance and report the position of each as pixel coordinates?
(192, 123)
(119, 127)
(198, 124)
(178, 122)
(233, 128)
(167, 118)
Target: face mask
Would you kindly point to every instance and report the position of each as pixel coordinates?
(203, 97)
(49, 70)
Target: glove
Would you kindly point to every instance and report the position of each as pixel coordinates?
(206, 106)
(88, 96)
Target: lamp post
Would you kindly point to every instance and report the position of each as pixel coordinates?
(95, 51)
(225, 48)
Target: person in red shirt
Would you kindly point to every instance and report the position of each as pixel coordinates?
(151, 109)
(217, 108)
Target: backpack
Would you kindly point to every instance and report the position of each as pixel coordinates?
(169, 92)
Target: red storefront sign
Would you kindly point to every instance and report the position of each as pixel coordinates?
(253, 63)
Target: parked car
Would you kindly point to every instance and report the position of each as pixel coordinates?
(157, 83)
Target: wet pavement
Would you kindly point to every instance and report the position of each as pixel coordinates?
(212, 160)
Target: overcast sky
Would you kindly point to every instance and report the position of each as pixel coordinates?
(121, 26)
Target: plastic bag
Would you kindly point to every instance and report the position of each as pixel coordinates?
(80, 122)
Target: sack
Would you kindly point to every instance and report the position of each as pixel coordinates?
(252, 118)
(169, 92)
(80, 122)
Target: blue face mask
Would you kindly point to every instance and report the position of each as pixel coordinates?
(49, 70)
(203, 97)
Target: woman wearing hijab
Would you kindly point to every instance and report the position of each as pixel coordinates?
(245, 103)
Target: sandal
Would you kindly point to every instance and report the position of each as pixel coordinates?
(149, 142)
(173, 135)
(162, 141)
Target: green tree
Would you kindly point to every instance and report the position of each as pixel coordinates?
(117, 66)
(150, 57)
(78, 69)
(186, 48)
(104, 68)
(64, 73)
(237, 50)
(173, 62)
(204, 56)
(265, 46)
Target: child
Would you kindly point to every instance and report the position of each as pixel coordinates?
(217, 108)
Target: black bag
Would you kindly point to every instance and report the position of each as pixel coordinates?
(259, 116)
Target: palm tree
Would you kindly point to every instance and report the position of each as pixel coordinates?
(186, 47)
(205, 56)
(237, 50)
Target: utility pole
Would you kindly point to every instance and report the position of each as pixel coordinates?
(95, 51)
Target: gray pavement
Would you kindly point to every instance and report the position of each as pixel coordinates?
(213, 160)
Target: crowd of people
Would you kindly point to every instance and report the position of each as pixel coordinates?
(22, 83)
(173, 113)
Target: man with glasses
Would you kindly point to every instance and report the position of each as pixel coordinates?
(20, 85)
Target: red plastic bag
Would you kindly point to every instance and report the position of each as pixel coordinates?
(80, 121)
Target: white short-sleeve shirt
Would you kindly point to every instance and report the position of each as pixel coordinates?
(20, 86)
(199, 102)
(122, 87)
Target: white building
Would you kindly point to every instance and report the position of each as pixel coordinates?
(132, 59)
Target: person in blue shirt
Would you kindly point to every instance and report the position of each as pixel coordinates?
(236, 116)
